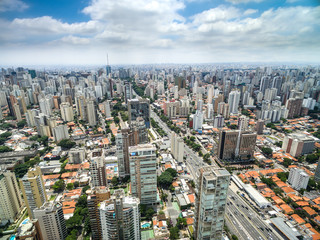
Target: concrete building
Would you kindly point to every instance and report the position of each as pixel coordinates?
(298, 178)
(10, 198)
(218, 121)
(177, 147)
(95, 197)
(260, 126)
(236, 146)
(76, 155)
(198, 116)
(29, 230)
(139, 108)
(91, 112)
(17, 112)
(143, 173)
(243, 123)
(233, 101)
(294, 106)
(212, 188)
(33, 190)
(120, 217)
(66, 112)
(51, 221)
(298, 144)
(60, 132)
(98, 168)
(317, 172)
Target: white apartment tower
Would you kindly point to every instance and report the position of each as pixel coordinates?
(66, 112)
(233, 100)
(51, 221)
(212, 188)
(120, 217)
(298, 178)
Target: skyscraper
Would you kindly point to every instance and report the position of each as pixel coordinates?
(120, 217)
(233, 100)
(17, 112)
(66, 112)
(317, 172)
(33, 190)
(143, 173)
(60, 132)
(139, 108)
(298, 178)
(10, 199)
(177, 147)
(260, 126)
(212, 188)
(95, 197)
(91, 113)
(98, 168)
(51, 221)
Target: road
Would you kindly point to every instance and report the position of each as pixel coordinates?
(249, 222)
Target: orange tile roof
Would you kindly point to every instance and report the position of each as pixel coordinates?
(175, 184)
(167, 165)
(190, 221)
(68, 210)
(309, 210)
(288, 190)
(286, 208)
(54, 176)
(302, 203)
(85, 165)
(277, 200)
(72, 166)
(298, 219)
(69, 174)
(191, 198)
(281, 184)
(294, 197)
(316, 200)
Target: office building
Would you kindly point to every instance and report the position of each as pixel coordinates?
(260, 126)
(95, 197)
(51, 221)
(33, 190)
(98, 168)
(298, 144)
(10, 198)
(127, 92)
(236, 146)
(139, 108)
(60, 132)
(66, 112)
(177, 147)
(212, 188)
(143, 173)
(298, 178)
(91, 113)
(120, 217)
(233, 101)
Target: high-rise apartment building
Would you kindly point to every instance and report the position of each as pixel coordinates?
(51, 221)
(294, 106)
(143, 173)
(298, 178)
(177, 147)
(66, 112)
(120, 217)
(82, 108)
(236, 146)
(98, 168)
(17, 112)
(60, 132)
(212, 188)
(91, 113)
(10, 198)
(233, 101)
(317, 172)
(33, 190)
(95, 197)
(139, 108)
(260, 126)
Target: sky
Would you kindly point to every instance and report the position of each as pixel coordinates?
(83, 32)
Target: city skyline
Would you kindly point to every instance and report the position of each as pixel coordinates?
(170, 31)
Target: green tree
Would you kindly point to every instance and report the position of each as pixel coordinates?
(66, 143)
(174, 233)
(234, 237)
(267, 151)
(76, 184)
(116, 120)
(6, 134)
(233, 126)
(149, 213)
(59, 186)
(181, 222)
(287, 162)
(70, 186)
(21, 124)
(5, 149)
(114, 181)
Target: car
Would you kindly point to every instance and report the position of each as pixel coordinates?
(249, 218)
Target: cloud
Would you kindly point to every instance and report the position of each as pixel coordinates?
(12, 5)
(244, 1)
(149, 31)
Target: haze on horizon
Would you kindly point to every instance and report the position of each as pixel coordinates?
(35, 32)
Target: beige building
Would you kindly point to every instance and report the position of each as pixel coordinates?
(51, 221)
(33, 190)
(10, 200)
(66, 112)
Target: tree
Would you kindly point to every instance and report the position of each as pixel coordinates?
(66, 143)
(181, 222)
(287, 162)
(166, 178)
(174, 233)
(6, 134)
(283, 176)
(312, 158)
(5, 149)
(278, 144)
(59, 186)
(114, 181)
(234, 237)
(233, 126)
(116, 120)
(149, 213)
(21, 124)
(267, 151)
(70, 186)
(76, 184)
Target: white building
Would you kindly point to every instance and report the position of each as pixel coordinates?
(309, 103)
(233, 100)
(212, 186)
(120, 217)
(60, 132)
(51, 221)
(177, 147)
(66, 112)
(91, 113)
(298, 178)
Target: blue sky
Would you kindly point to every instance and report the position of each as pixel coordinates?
(158, 31)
